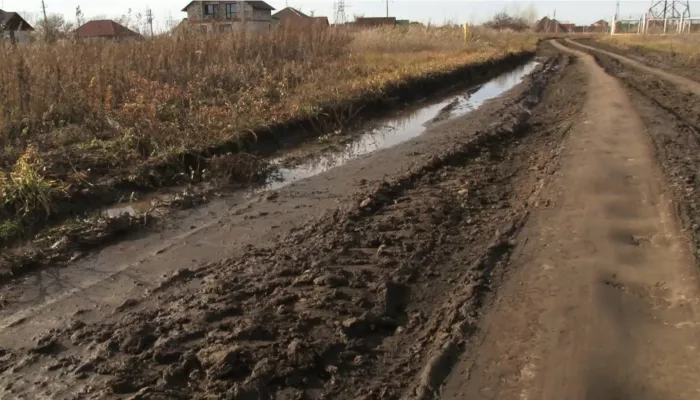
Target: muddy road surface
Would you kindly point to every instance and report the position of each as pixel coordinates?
(541, 246)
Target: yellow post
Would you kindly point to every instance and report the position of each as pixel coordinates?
(466, 33)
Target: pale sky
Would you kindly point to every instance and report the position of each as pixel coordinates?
(436, 11)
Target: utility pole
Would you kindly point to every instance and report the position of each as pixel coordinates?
(241, 10)
(149, 20)
(387, 8)
(47, 29)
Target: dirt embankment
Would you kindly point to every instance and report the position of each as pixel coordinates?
(371, 301)
(672, 118)
(667, 61)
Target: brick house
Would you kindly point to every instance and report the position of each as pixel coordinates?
(105, 29)
(13, 27)
(225, 16)
(291, 17)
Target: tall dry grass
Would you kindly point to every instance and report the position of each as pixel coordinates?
(88, 109)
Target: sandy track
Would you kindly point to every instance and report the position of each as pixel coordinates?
(682, 83)
(602, 301)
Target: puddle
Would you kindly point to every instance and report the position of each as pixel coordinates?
(146, 202)
(400, 128)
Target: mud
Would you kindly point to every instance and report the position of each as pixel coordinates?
(672, 118)
(371, 300)
(385, 278)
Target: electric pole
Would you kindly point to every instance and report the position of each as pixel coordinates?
(48, 34)
(149, 20)
(387, 8)
(241, 6)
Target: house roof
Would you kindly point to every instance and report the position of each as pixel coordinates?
(375, 21)
(104, 28)
(321, 20)
(289, 12)
(260, 5)
(547, 24)
(12, 21)
(569, 27)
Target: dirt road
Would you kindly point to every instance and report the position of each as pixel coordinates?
(602, 301)
(536, 248)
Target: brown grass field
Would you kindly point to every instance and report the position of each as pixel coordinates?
(75, 116)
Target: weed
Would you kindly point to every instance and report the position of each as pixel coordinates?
(26, 190)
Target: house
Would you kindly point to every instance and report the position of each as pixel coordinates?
(105, 29)
(225, 16)
(570, 28)
(320, 21)
(291, 17)
(548, 25)
(600, 26)
(13, 27)
(373, 22)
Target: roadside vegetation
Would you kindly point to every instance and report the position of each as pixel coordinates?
(684, 49)
(84, 123)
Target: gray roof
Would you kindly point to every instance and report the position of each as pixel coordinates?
(13, 21)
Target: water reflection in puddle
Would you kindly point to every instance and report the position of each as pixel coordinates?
(400, 128)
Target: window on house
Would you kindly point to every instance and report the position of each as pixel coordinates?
(230, 10)
(210, 9)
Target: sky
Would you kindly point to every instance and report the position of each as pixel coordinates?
(167, 12)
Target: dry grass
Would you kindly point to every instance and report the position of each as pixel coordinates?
(683, 48)
(90, 110)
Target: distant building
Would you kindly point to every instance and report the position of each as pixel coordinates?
(105, 29)
(600, 26)
(291, 17)
(548, 25)
(372, 22)
(569, 27)
(225, 16)
(13, 27)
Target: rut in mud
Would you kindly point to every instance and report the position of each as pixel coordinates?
(364, 294)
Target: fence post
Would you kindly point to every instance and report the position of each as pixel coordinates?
(466, 33)
(612, 26)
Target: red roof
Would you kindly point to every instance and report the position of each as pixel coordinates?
(104, 28)
(569, 27)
